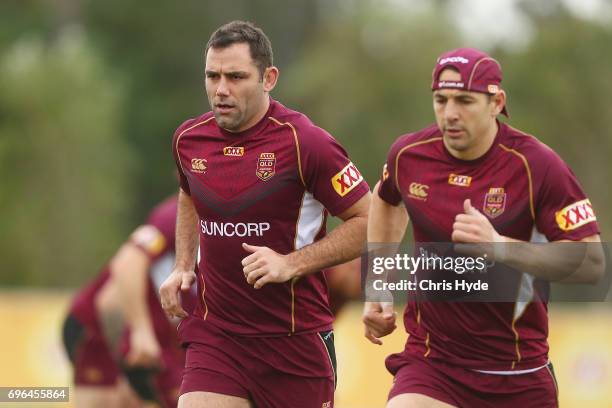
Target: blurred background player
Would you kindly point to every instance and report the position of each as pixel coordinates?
(470, 178)
(116, 332)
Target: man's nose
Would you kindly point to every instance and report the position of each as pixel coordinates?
(451, 111)
(222, 89)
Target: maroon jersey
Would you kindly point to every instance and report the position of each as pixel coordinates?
(271, 185)
(526, 191)
(156, 239)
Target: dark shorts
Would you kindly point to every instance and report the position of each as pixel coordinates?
(92, 361)
(273, 372)
(468, 388)
(95, 365)
(158, 385)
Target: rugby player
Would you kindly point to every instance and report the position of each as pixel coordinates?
(470, 178)
(257, 181)
(116, 330)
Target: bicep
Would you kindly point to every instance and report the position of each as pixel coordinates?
(386, 222)
(359, 209)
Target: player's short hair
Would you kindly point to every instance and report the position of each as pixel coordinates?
(236, 32)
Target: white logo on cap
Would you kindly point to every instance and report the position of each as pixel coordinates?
(454, 59)
(447, 84)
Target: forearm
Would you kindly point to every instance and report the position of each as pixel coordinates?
(343, 244)
(386, 223)
(386, 228)
(186, 233)
(129, 270)
(566, 262)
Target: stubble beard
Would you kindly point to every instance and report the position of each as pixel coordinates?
(229, 122)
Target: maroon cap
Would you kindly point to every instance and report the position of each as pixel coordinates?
(479, 72)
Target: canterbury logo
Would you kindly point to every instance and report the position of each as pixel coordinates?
(458, 180)
(418, 190)
(233, 151)
(346, 179)
(575, 215)
(198, 165)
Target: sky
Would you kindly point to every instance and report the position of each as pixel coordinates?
(489, 23)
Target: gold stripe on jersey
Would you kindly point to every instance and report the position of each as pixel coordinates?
(527, 168)
(297, 223)
(402, 151)
(182, 133)
(516, 345)
(515, 319)
(293, 305)
(427, 348)
(297, 145)
(203, 295)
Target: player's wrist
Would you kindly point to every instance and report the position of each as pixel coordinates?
(294, 268)
(182, 269)
(501, 248)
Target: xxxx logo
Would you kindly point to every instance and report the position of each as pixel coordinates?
(418, 191)
(346, 179)
(233, 151)
(198, 165)
(575, 215)
(459, 180)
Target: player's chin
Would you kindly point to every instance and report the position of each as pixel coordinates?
(226, 121)
(456, 142)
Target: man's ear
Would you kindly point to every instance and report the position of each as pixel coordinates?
(270, 77)
(499, 100)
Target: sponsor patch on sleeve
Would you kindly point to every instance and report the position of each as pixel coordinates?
(346, 179)
(149, 238)
(575, 215)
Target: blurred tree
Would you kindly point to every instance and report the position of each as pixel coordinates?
(60, 143)
(160, 48)
(559, 91)
(366, 79)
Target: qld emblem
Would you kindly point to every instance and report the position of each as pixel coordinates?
(265, 166)
(494, 202)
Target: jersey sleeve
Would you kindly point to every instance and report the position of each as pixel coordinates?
(328, 173)
(156, 236)
(563, 211)
(388, 188)
(184, 184)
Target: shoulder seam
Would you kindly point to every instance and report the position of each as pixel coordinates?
(529, 177)
(178, 138)
(433, 139)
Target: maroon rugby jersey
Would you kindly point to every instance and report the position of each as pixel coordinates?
(156, 239)
(271, 185)
(525, 190)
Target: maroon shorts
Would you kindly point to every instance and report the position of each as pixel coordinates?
(462, 387)
(273, 372)
(95, 365)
